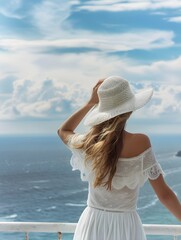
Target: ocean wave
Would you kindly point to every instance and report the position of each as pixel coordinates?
(76, 204)
(29, 189)
(165, 156)
(40, 181)
(176, 185)
(72, 192)
(151, 204)
(143, 197)
(51, 208)
(36, 187)
(11, 216)
(39, 210)
(171, 171)
(6, 218)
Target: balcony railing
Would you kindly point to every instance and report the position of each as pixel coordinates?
(61, 228)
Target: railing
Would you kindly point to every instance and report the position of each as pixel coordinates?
(60, 228)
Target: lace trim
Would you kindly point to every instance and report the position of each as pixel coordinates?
(153, 172)
(137, 179)
(129, 173)
(119, 182)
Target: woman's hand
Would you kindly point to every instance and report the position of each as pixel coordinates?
(94, 99)
(73, 121)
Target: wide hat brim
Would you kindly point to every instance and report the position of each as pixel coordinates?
(95, 116)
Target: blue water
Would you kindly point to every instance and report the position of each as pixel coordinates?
(37, 183)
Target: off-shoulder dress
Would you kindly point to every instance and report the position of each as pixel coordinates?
(112, 215)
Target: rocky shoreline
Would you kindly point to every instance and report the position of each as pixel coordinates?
(178, 154)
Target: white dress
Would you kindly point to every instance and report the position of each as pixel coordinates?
(111, 215)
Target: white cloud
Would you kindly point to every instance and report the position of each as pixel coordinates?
(144, 39)
(169, 97)
(103, 2)
(165, 104)
(54, 90)
(9, 8)
(48, 85)
(42, 100)
(161, 13)
(175, 19)
(131, 5)
(49, 17)
(165, 71)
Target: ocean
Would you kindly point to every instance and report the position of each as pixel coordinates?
(37, 184)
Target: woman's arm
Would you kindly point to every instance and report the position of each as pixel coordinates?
(166, 196)
(68, 127)
(72, 122)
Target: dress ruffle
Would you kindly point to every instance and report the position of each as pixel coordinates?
(77, 162)
(130, 172)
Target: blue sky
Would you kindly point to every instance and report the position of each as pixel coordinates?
(52, 52)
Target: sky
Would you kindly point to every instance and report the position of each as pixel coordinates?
(52, 52)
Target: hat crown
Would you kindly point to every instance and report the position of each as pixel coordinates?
(112, 92)
(115, 98)
(112, 85)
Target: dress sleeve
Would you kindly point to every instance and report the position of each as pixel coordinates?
(77, 158)
(74, 139)
(151, 168)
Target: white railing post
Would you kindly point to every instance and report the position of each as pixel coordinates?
(59, 236)
(26, 236)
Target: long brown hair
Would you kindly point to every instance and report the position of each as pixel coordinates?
(102, 145)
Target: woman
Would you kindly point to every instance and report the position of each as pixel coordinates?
(115, 163)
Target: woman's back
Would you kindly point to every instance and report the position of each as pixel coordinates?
(132, 170)
(112, 213)
(134, 144)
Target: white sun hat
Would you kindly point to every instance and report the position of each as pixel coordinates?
(115, 98)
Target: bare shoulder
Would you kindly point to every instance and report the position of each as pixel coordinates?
(141, 140)
(135, 144)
